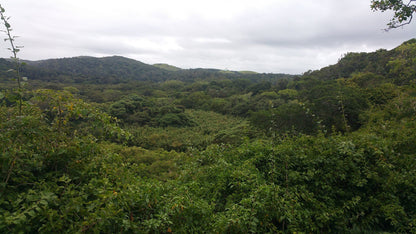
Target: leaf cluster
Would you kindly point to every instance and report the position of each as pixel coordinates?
(403, 11)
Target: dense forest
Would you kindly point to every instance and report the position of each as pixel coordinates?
(113, 145)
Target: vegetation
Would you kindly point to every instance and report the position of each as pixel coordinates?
(14, 49)
(403, 11)
(93, 147)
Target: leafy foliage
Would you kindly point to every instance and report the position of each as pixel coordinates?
(139, 110)
(403, 11)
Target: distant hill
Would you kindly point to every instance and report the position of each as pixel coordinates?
(117, 69)
(248, 72)
(113, 69)
(166, 67)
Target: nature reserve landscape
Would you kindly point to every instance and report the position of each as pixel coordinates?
(113, 145)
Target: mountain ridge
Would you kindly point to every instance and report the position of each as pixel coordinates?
(118, 69)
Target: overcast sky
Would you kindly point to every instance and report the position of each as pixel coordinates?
(279, 36)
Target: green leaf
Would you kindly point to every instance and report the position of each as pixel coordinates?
(32, 213)
(44, 202)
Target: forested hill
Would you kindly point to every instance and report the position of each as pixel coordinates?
(117, 69)
(387, 63)
(90, 69)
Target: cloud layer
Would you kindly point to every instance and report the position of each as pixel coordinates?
(262, 35)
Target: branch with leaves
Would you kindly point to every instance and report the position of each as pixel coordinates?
(403, 12)
(14, 49)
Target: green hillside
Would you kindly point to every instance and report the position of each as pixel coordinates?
(116, 69)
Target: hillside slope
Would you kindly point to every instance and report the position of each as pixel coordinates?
(388, 63)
